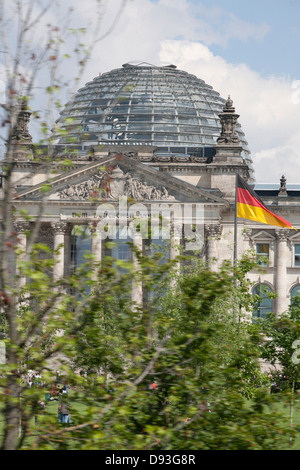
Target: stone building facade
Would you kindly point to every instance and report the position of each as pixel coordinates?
(122, 180)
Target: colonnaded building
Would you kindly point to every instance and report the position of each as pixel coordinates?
(148, 139)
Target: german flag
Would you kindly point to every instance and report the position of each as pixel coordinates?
(250, 206)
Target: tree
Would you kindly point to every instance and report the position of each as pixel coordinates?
(281, 350)
(200, 401)
(201, 396)
(88, 320)
(34, 45)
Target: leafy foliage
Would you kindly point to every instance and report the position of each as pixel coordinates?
(282, 344)
(186, 341)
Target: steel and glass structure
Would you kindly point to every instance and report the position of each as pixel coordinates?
(143, 104)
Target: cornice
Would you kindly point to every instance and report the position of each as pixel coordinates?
(184, 189)
(94, 204)
(221, 169)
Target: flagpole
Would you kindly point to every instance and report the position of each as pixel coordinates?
(235, 245)
(235, 224)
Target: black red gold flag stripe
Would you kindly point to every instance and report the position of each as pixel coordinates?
(250, 206)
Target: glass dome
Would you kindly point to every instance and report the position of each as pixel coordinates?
(144, 104)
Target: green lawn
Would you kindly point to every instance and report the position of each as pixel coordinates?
(78, 408)
(285, 410)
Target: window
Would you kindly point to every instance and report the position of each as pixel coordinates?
(297, 255)
(120, 249)
(295, 294)
(153, 246)
(81, 245)
(264, 304)
(262, 254)
(159, 250)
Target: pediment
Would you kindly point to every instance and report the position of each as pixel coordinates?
(295, 237)
(263, 235)
(112, 177)
(111, 185)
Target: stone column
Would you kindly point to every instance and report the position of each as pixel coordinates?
(174, 247)
(67, 249)
(59, 229)
(21, 227)
(175, 241)
(96, 246)
(96, 242)
(213, 233)
(137, 286)
(282, 302)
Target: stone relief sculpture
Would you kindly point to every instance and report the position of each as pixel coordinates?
(79, 191)
(112, 186)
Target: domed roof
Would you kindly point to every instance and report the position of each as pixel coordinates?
(145, 104)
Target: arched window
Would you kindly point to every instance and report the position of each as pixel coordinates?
(295, 294)
(264, 305)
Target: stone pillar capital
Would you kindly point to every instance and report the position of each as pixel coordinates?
(22, 226)
(282, 234)
(213, 230)
(61, 227)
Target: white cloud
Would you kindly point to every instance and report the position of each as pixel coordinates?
(144, 23)
(269, 114)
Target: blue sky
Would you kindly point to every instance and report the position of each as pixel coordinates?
(278, 51)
